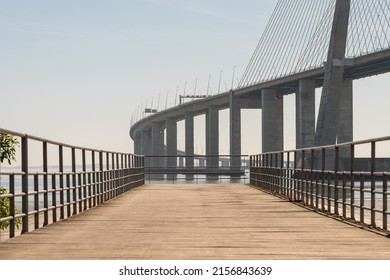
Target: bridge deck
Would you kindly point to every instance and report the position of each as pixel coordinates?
(198, 222)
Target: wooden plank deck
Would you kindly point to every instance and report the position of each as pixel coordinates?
(198, 222)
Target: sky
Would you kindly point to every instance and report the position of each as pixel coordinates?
(76, 71)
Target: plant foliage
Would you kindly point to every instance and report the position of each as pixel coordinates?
(5, 211)
(8, 145)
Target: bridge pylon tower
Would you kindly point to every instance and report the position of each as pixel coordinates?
(335, 113)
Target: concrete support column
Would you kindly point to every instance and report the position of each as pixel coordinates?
(137, 144)
(305, 114)
(235, 132)
(207, 134)
(345, 131)
(157, 145)
(272, 118)
(212, 136)
(171, 142)
(146, 146)
(189, 145)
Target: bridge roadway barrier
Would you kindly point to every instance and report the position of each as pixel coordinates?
(55, 181)
(196, 222)
(348, 180)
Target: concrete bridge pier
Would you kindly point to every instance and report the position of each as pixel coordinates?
(272, 121)
(146, 145)
(189, 144)
(212, 137)
(345, 131)
(305, 117)
(137, 144)
(235, 132)
(305, 114)
(181, 161)
(157, 144)
(171, 144)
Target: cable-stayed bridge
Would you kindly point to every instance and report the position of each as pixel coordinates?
(306, 45)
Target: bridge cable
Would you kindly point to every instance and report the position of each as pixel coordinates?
(258, 47)
(297, 37)
(267, 41)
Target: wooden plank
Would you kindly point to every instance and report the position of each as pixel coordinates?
(197, 222)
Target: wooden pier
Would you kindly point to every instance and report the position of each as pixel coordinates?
(198, 222)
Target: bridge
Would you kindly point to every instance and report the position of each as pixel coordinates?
(346, 40)
(96, 203)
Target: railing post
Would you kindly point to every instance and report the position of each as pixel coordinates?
(129, 181)
(54, 197)
(92, 200)
(25, 209)
(117, 175)
(108, 178)
(336, 180)
(312, 179)
(84, 201)
(36, 201)
(101, 187)
(323, 162)
(361, 190)
(74, 183)
(288, 176)
(302, 184)
(61, 169)
(294, 186)
(81, 184)
(142, 159)
(281, 173)
(372, 176)
(113, 178)
(352, 181)
(384, 200)
(45, 185)
(12, 205)
(115, 171)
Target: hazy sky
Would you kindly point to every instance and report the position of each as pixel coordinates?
(75, 71)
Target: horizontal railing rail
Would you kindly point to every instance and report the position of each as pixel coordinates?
(197, 169)
(349, 180)
(51, 181)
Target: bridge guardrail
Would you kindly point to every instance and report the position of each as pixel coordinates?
(332, 179)
(52, 181)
